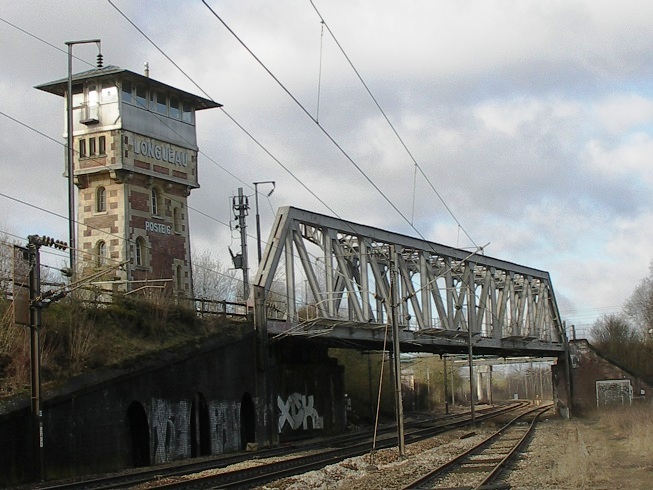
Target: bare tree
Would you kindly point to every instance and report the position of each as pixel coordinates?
(639, 307)
(616, 337)
(212, 280)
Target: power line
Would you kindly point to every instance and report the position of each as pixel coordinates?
(394, 130)
(308, 114)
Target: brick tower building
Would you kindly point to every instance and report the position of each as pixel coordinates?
(135, 164)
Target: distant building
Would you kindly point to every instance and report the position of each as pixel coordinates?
(598, 382)
(135, 164)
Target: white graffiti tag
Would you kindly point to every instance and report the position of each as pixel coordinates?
(296, 410)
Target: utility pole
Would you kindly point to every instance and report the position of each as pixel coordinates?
(35, 359)
(35, 306)
(399, 409)
(241, 208)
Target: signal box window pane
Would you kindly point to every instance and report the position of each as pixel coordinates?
(175, 110)
(187, 114)
(109, 93)
(141, 96)
(78, 95)
(127, 92)
(161, 106)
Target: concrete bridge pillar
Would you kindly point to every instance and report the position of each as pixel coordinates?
(484, 383)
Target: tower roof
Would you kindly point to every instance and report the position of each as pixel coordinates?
(112, 72)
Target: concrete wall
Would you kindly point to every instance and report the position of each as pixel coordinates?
(309, 399)
(188, 407)
(200, 403)
(588, 366)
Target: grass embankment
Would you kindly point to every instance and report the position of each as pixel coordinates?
(78, 337)
(609, 447)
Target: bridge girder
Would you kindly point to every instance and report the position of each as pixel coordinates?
(320, 272)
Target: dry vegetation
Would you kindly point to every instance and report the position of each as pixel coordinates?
(78, 337)
(610, 450)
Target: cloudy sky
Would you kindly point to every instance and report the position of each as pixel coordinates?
(531, 119)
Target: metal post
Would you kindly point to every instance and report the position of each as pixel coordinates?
(72, 238)
(397, 354)
(453, 391)
(35, 359)
(470, 353)
(446, 395)
(258, 218)
(242, 208)
(69, 159)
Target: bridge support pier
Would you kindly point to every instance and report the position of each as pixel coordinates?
(484, 383)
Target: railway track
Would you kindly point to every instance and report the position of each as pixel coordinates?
(323, 453)
(481, 466)
(259, 475)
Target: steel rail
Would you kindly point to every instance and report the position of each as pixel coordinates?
(251, 477)
(416, 429)
(448, 468)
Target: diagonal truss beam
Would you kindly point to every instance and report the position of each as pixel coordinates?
(320, 268)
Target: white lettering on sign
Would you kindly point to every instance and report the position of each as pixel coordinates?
(163, 153)
(158, 228)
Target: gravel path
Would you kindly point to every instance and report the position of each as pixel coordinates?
(563, 454)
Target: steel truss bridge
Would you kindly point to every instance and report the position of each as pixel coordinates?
(346, 283)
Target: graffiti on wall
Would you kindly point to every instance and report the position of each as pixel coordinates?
(297, 410)
(170, 422)
(225, 425)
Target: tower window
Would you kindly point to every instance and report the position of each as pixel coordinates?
(101, 200)
(155, 202)
(82, 147)
(140, 251)
(101, 251)
(102, 145)
(180, 280)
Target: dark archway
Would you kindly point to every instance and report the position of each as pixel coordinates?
(139, 432)
(247, 421)
(200, 427)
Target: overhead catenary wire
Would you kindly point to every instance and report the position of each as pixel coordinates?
(394, 130)
(308, 114)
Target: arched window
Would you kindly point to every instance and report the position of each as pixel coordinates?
(100, 200)
(155, 202)
(140, 251)
(101, 251)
